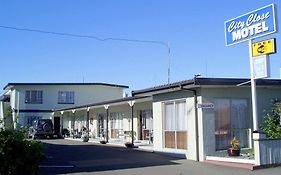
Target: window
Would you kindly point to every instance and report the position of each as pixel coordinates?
(175, 125)
(66, 97)
(231, 120)
(34, 96)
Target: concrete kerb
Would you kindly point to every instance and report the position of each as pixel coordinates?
(141, 148)
(138, 148)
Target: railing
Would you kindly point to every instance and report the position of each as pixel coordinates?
(268, 151)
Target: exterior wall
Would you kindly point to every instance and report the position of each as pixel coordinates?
(157, 126)
(83, 94)
(191, 135)
(264, 97)
(2, 114)
(206, 117)
(158, 110)
(21, 119)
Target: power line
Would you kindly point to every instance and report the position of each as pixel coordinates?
(96, 38)
(84, 36)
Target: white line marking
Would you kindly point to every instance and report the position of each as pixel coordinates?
(56, 166)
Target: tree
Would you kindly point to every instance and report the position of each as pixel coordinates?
(271, 123)
(7, 118)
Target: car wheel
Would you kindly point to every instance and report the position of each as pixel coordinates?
(47, 127)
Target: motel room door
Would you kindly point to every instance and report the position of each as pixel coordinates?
(145, 125)
(57, 125)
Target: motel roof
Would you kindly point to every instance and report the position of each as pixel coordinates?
(11, 85)
(145, 94)
(200, 82)
(109, 102)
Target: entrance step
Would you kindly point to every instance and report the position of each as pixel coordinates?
(238, 162)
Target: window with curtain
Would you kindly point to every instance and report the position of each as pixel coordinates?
(66, 97)
(34, 96)
(175, 125)
(231, 120)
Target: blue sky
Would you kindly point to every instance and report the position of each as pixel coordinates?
(194, 30)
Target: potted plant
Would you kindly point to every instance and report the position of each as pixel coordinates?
(102, 138)
(129, 144)
(85, 135)
(234, 149)
(103, 141)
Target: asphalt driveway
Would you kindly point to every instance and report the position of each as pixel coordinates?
(74, 157)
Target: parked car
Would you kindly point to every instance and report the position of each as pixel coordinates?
(41, 128)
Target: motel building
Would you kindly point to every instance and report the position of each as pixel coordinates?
(195, 118)
(30, 101)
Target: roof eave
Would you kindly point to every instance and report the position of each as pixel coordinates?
(11, 85)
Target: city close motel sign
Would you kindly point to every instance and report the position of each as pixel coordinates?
(252, 25)
(247, 27)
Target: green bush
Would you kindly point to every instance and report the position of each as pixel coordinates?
(19, 155)
(271, 123)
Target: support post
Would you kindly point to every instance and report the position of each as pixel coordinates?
(132, 116)
(106, 107)
(253, 90)
(131, 104)
(61, 112)
(88, 118)
(73, 125)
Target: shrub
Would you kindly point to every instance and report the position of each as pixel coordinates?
(19, 155)
(271, 123)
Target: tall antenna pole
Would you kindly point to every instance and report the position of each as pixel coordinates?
(169, 63)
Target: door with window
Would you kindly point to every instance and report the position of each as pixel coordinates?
(57, 125)
(175, 125)
(116, 124)
(145, 125)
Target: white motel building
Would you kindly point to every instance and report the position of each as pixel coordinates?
(195, 118)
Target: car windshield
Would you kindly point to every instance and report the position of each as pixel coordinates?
(41, 122)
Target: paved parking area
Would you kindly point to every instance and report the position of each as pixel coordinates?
(74, 157)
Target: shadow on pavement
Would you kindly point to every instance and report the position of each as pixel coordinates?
(66, 156)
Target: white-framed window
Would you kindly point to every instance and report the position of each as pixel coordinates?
(34, 96)
(175, 125)
(66, 97)
(231, 120)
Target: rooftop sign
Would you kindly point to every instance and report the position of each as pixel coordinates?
(254, 24)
